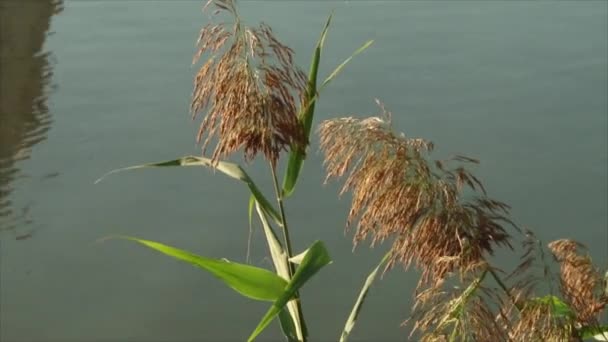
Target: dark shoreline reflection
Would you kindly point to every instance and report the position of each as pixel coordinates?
(25, 76)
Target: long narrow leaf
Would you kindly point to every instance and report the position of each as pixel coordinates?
(296, 157)
(250, 214)
(308, 110)
(309, 107)
(253, 282)
(287, 326)
(230, 169)
(316, 258)
(354, 314)
(343, 64)
(281, 264)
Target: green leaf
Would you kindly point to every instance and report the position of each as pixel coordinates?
(230, 169)
(253, 282)
(287, 326)
(316, 258)
(558, 306)
(296, 156)
(279, 259)
(343, 64)
(250, 209)
(354, 314)
(599, 333)
(250, 214)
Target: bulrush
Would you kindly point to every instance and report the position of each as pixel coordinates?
(249, 88)
(398, 194)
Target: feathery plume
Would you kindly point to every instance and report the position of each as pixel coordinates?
(539, 321)
(249, 88)
(398, 194)
(581, 282)
(453, 313)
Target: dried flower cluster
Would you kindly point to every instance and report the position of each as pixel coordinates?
(441, 220)
(398, 194)
(526, 316)
(581, 283)
(457, 314)
(539, 321)
(249, 88)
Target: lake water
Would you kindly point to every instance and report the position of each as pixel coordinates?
(520, 85)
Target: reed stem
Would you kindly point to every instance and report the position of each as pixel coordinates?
(287, 242)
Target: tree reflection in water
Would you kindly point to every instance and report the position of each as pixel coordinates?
(25, 79)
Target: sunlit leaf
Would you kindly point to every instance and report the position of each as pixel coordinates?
(316, 258)
(296, 157)
(250, 214)
(354, 314)
(253, 282)
(279, 259)
(306, 115)
(230, 169)
(297, 259)
(346, 61)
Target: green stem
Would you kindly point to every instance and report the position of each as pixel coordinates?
(284, 227)
(288, 250)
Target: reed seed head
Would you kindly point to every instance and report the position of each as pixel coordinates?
(581, 282)
(457, 313)
(398, 194)
(248, 87)
(538, 320)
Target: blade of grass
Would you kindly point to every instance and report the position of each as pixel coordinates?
(296, 157)
(230, 169)
(354, 314)
(306, 115)
(252, 282)
(338, 69)
(316, 258)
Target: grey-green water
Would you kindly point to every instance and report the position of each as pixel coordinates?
(520, 85)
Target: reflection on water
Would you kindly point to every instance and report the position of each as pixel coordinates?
(24, 83)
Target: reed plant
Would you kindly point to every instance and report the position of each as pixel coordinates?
(435, 214)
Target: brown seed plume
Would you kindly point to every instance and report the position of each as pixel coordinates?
(464, 313)
(538, 321)
(249, 88)
(398, 194)
(581, 283)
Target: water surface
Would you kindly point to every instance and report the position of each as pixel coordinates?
(522, 86)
